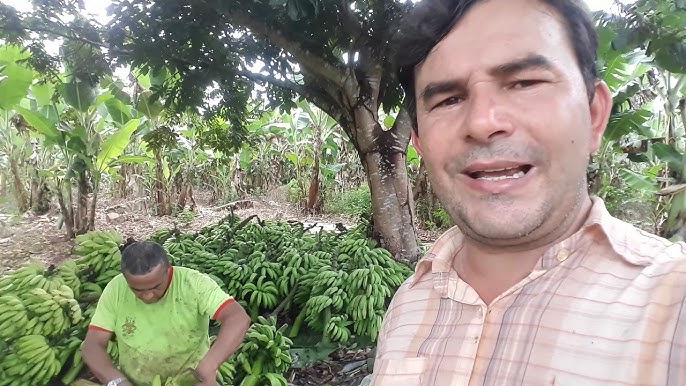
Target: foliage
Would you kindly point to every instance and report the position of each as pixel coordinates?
(351, 202)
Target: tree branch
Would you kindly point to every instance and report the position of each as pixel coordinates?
(277, 37)
(350, 23)
(79, 39)
(321, 100)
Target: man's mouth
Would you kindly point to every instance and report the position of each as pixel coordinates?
(500, 174)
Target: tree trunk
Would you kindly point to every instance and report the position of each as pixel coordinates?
(94, 201)
(19, 191)
(66, 209)
(182, 194)
(383, 155)
(158, 189)
(81, 220)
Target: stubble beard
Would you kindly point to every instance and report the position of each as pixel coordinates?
(506, 224)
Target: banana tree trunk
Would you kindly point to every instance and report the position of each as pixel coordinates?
(158, 189)
(81, 219)
(93, 203)
(20, 193)
(64, 200)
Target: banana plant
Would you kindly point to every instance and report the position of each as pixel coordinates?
(15, 80)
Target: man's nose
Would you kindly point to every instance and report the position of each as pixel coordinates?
(487, 117)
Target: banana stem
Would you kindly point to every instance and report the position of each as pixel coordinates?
(296, 325)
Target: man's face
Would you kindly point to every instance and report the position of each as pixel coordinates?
(505, 124)
(149, 287)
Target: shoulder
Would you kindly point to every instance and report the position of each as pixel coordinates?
(190, 277)
(116, 286)
(639, 247)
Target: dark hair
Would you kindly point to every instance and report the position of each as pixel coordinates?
(141, 257)
(431, 20)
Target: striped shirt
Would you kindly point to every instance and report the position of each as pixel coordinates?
(604, 307)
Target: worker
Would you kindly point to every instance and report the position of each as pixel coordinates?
(160, 317)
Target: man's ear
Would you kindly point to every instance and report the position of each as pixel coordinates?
(600, 109)
(415, 142)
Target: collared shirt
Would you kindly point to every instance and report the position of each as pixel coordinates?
(604, 307)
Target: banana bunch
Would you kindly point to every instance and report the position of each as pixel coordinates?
(337, 328)
(47, 315)
(262, 267)
(31, 274)
(271, 379)
(68, 271)
(234, 275)
(100, 255)
(76, 364)
(65, 298)
(30, 362)
(370, 326)
(181, 247)
(113, 351)
(297, 265)
(260, 295)
(160, 235)
(264, 351)
(226, 372)
(13, 317)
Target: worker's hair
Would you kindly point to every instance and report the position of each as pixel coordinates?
(141, 257)
(431, 20)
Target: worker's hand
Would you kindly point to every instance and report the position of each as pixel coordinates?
(207, 373)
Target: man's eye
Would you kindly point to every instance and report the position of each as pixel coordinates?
(450, 101)
(526, 83)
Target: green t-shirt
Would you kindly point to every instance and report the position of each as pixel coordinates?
(164, 337)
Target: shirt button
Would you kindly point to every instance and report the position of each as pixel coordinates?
(562, 255)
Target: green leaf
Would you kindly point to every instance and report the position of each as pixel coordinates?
(112, 147)
(637, 181)
(15, 86)
(134, 159)
(79, 95)
(292, 157)
(670, 155)
(389, 121)
(118, 110)
(412, 156)
(42, 93)
(633, 121)
(43, 125)
(147, 107)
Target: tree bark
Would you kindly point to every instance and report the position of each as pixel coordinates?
(81, 220)
(66, 209)
(20, 193)
(93, 203)
(383, 155)
(160, 196)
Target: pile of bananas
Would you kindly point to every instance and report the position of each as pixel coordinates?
(99, 255)
(263, 357)
(337, 283)
(31, 361)
(32, 274)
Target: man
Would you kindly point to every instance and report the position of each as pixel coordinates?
(160, 316)
(537, 284)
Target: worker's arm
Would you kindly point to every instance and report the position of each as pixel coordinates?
(94, 353)
(234, 323)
